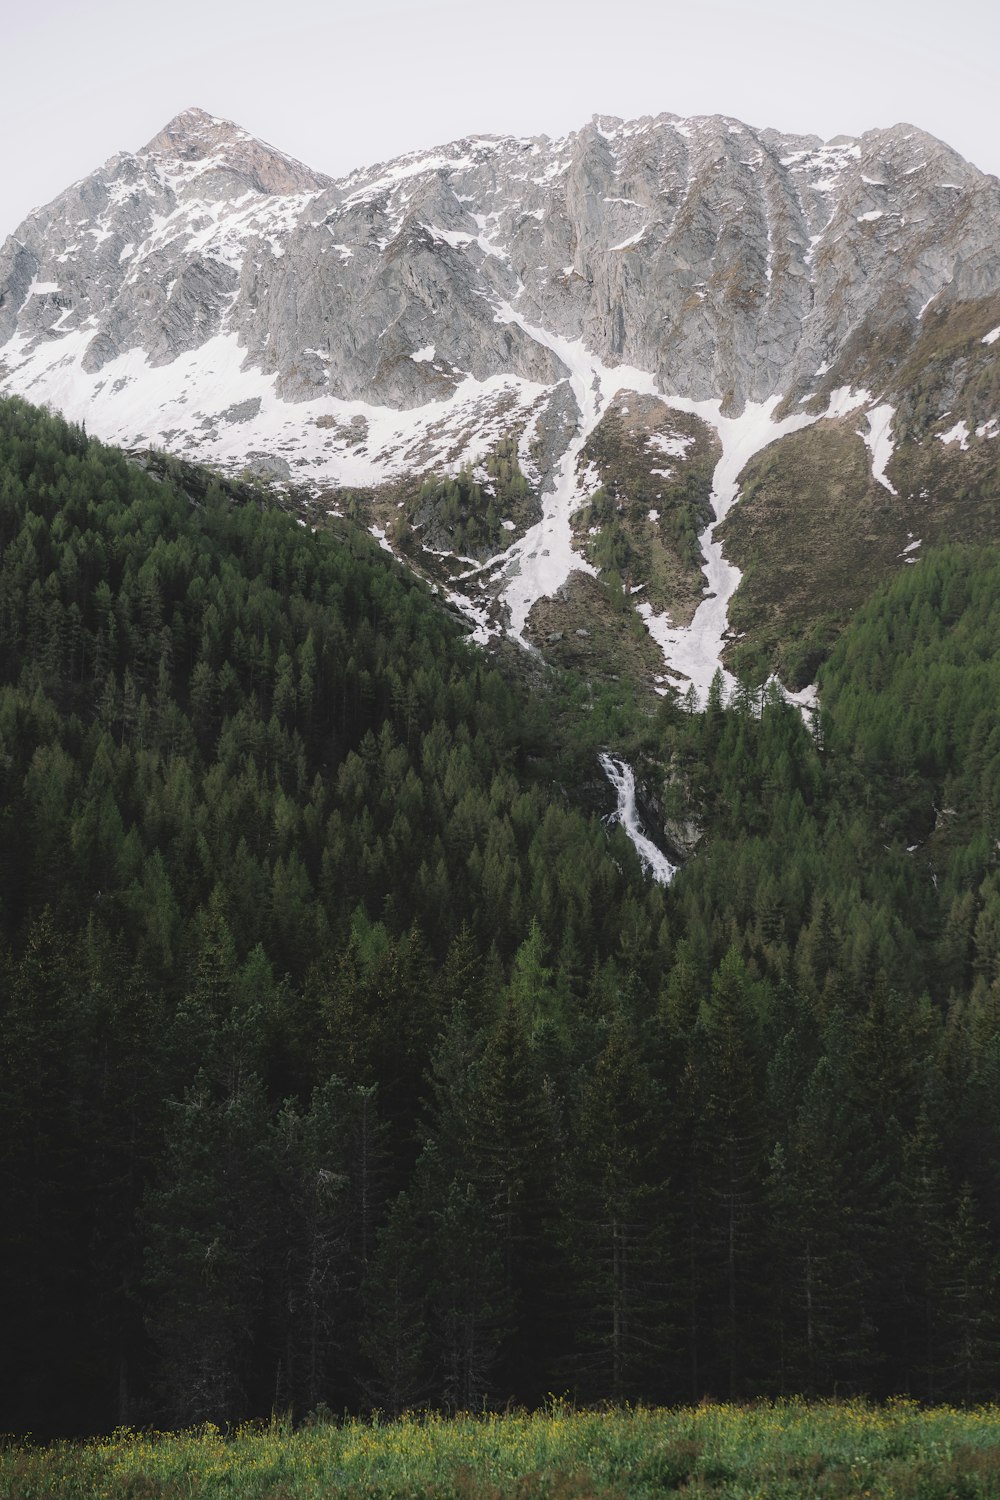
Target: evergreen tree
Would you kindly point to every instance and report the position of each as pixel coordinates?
(616, 1219)
(395, 1335)
(207, 1226)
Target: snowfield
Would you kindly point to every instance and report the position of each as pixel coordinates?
(196, 396)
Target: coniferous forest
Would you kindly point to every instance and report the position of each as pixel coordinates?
(350, 1061)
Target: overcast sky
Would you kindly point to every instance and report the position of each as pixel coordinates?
(341, 85)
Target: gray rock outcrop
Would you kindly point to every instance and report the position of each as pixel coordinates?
(209, 270)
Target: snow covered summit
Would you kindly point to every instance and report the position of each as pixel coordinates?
(210, 295)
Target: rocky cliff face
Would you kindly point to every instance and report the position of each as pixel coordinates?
(727, 262)
(211, 295)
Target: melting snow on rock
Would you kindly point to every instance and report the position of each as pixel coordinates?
(693, 653)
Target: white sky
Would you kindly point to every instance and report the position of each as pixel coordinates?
(342, 85)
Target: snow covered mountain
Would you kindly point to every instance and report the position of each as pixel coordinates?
(623, 319)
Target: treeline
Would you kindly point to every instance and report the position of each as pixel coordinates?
(346, 1062)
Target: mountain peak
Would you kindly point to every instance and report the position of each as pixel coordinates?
(194, 135)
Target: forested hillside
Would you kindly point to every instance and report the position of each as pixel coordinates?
(349, 1061)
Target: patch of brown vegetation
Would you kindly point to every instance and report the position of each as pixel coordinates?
(581, 629)
(814, 533)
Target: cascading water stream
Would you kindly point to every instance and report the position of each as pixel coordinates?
(621, 777)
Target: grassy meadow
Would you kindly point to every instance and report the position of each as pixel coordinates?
(785, 1449)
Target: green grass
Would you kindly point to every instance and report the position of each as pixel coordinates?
(786, 1449)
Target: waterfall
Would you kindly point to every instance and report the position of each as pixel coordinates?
(620, 775)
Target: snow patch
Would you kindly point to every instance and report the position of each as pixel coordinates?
(538, 564)
(844, 400)
(958, 434)
(693, 653)
(879, 443)
(674, 445)
(806, 700)
(633, 239)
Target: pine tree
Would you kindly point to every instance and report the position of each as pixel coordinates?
(923, 1238)
(819, 1200)
(206, 1222)
(45, 1286)
(312, 1249)
(395, 1334)
(616, 1219)
(728, 1168)
(469, 1303)
(970, 1344)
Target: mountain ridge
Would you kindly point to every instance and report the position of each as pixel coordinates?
(212, 295)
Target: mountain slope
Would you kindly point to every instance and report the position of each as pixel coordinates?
(344, 1063)
(209, 295)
